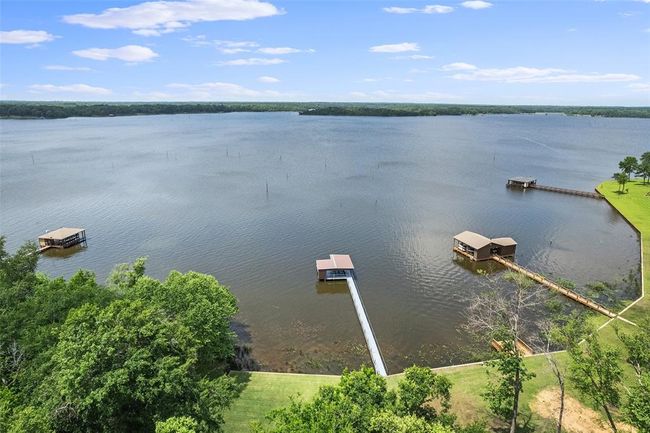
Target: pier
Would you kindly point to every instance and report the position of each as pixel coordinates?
(550, 285)
(531, 182)
(340, 267)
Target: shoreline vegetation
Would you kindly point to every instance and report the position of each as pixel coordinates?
(264, 392)
(62, 110)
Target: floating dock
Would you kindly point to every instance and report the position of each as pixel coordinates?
(340, 267)
(531, 182)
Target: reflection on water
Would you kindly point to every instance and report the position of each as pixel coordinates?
(255, 198)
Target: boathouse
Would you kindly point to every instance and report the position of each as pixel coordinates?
(62, 238)
(522, 182)
(478, 247)
(338, 266)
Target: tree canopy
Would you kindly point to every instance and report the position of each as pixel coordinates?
(136, 355)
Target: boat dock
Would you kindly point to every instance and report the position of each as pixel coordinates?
(64, 237)
(531, 182)
(340, 267)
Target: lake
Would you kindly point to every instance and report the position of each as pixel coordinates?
(255, 198)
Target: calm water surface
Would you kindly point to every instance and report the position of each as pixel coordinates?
(190, 192)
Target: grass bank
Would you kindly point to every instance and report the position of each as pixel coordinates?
(264, 392)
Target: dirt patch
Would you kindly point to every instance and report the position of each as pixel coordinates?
(577, 418)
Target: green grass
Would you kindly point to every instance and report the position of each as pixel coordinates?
(635, 207)
(263, 392)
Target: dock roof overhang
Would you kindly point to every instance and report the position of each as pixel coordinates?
(335, 262)
(472, 239)
(504, 242)
(522, 179)
(60, 234)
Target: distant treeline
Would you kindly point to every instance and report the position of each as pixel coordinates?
(59, 110)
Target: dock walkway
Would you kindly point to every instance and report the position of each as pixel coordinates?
(553, 286)
(369, 335)
(590, 194)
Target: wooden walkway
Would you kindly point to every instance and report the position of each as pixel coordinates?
(369, 335)
(590, 194)
(557, 288)
(553, 286)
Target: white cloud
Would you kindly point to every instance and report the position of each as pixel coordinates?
(154, 18)
(220, 90)
(253, 61)
(128, 53)
(640, 87)
(395, 48)
(224, 46)
(393, 96)
(429, 9)
(70, 88)
(476, 4)
(267, 79)
(458, 66)
(523, 74)
(283, 50)
(67, 68)
(415, 57)
(25, 37)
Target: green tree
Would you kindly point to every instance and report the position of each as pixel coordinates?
(119, 368)
(622, 179)
(628, 165)
(499, 314)
(182, 424)
(637, 406)
(361, 402)
(643, 169)
(419, 389)
(596, 374)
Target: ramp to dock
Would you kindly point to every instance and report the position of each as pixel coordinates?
(590, 194)
(369, 335)
(557, 288)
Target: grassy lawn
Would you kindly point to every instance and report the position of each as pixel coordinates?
(266, 391)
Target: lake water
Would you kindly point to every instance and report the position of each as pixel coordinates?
(190, 192)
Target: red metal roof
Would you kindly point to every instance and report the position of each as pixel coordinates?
(336, 261)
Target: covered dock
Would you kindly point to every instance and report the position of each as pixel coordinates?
(337, 267)
(340, 267)
(63, 237)
(478, 247)
(522, 181)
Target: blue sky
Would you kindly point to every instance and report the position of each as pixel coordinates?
(502, 52)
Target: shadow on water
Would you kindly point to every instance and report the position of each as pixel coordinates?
(243, 358)
(61, 254)
(332, 288)
(483, 267)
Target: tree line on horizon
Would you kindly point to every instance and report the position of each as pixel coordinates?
(59, 110)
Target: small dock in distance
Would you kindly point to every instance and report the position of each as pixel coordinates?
(531, 182)
(340, 267)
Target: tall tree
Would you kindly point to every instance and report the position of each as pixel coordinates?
(564, 332)
(637, 406)
(498, 314)
(596, 373)
(622, 179)
(628, 165)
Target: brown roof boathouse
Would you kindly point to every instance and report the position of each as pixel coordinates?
(478, 247)
(64, 237)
